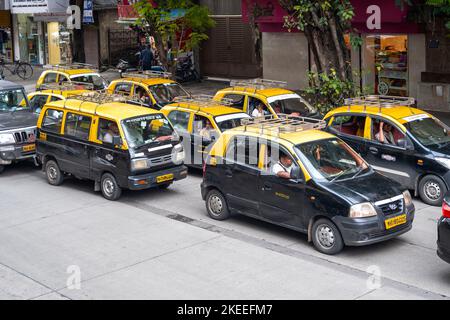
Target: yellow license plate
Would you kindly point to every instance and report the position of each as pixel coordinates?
(164, 178)
(396, 221)
(29, 148)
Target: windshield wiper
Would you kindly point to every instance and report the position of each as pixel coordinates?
(341, 174)
(360, 170)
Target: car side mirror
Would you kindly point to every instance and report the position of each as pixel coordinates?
(117, 141)
(404, 143)
(296, 174)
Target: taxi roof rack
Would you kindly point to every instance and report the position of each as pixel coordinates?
(147, 74)
(74, 65)
(72, 85)
(284, 123)
(380, 101)
(258, 84)
(202, 101)
(98, 97)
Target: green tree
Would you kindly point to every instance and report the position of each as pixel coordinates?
(155, 20)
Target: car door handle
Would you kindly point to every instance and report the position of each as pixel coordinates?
(373, 150)
(267, 187)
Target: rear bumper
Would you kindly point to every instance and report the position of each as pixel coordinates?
(366, 231)
(12, 153)
(149, 180)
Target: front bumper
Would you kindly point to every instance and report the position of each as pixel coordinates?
(149, 180)
(443, 242)
(11, 153)
(366, 231)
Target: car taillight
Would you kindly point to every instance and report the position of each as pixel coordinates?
(445, 210)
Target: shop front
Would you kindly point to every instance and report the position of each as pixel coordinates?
(6, 44)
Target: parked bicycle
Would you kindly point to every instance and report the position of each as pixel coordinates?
(23, 70)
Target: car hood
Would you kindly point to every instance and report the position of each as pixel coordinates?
(443, 151)
(366, 188)
(17, 120)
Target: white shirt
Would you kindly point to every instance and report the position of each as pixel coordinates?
(279, 167)
(257, 114)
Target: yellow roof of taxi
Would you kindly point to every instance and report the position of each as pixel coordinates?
(148, 82)
(65, 93)
(74, 72)
(267, 92)
(398, 113)
(295, 137)
(113, 110)
(217, 110)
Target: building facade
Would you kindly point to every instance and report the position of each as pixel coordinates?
(393, 59)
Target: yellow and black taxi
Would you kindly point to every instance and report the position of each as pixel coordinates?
(151, 88)
(200, 120)
(54, 92)
(289, 172)
(407, 144)
(99, 137)
(443, 241)
(262, 97)
(76, 73)
(17, 125)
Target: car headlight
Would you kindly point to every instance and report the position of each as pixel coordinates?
(408, 198)
(7, 138)
(444, 161)
(178, 154)
(362, 210)
(139, 164)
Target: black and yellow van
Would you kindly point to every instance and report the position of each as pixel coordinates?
(200, 120)
(402, 142)
(119, 146)
(291, 173)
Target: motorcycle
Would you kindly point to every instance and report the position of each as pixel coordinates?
(185, 70)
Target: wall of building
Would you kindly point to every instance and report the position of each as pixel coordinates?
(416, 62)
(285, 58)
(223, 7)
(107, 20)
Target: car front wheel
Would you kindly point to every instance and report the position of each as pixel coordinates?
(54, 175)
(327, 237)
(110, 189)
(432, 190)
(216, 205)
(2, 168)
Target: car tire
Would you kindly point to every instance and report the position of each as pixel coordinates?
(2, 168)
(432, 190)
(164, 186)
(216, 205)
(54, 175)
(326, 237)
(110, 188)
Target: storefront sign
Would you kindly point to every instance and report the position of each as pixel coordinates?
(88, 12)
(38, 6)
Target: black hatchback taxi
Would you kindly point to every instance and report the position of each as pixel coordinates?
(288, 172)
(443, 242)
(99, 137)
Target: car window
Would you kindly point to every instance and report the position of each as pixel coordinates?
(257, 108)
(243, 150)
(63, 78)
(123, 88)
(386, 133)
(349, 125)
(140, 95)
(203, 127)
(179, 120)
(50, 77)
(237, 100)
(37, 102)
(77, 126)
(166, 93)
(95, 80)
(52, 121)
(55, 98)
(107, 130)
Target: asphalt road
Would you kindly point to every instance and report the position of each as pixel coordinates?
(68, 242)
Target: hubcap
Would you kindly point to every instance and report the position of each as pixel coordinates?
(108, 186)
(52, 173)
(325, 236)
(432, 190)
(215, 205)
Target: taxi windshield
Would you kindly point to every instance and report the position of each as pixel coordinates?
(291, 104)
(146, 130)
(95, 80)
(13, 100)
(230, 121)
(331, 159)
(429, 131)
(166, 93)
